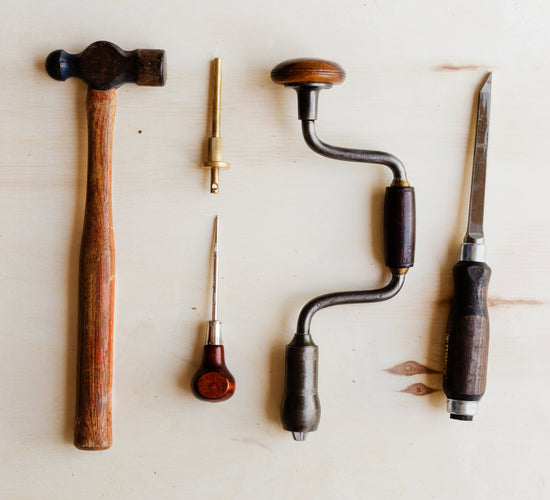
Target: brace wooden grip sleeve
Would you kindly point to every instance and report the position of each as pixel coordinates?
(96, 282)
(399, 227)
(467, 342)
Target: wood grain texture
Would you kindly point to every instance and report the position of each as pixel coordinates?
(93, 426)
(296, 71)
(419, 389)
(399, 227)
(213, 381)
(467, 341)
(409, 368)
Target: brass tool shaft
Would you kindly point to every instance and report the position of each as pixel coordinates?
(215, 142)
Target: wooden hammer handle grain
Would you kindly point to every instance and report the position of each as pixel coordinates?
(93, 426)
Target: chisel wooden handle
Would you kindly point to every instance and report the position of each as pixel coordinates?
(467, 341)
(96, 282)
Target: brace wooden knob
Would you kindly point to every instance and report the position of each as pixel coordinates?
(304, 71)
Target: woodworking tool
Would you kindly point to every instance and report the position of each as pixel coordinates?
(215, 142)
(104, 67)
(300, 409)
(467, 339)
(213, 382)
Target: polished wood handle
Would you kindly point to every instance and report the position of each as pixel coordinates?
(213, 381)
(93, 426)
(467, 342)
(399, 227)
(305, 71)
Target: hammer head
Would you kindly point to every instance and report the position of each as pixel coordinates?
(104, 65)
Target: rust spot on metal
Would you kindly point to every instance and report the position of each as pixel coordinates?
(453, 67)
(409, 368)
(419, 389)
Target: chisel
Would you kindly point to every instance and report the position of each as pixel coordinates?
(467, 340)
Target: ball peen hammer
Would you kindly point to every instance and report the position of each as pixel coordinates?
(104, 67)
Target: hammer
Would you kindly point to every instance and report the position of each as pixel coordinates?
(104, 67)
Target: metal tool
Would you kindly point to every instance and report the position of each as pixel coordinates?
(104, 67)
(467, 339)
(213, 381)
(300, 409)
(215, 142)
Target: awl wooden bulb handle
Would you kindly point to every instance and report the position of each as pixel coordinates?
(213, 381)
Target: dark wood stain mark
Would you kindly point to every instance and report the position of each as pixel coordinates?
(453, 67)
(409, 368)
(419, 389)
(500, 301)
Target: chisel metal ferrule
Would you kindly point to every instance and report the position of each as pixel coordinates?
(462, 410)
(473, 252)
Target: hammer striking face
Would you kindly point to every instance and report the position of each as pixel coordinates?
(104, 67)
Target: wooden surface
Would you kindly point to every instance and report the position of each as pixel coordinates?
(292, 225)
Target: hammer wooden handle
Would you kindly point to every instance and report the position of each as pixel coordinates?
(93, 430)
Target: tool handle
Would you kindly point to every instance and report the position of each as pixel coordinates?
(308, 71)
(213, 381)
(467, 341)
(96, 282)
(399, 227)
(301, 408)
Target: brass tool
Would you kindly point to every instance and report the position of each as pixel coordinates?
(213, 381)
(215, 142)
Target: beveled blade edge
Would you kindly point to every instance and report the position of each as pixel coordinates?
(477, 191)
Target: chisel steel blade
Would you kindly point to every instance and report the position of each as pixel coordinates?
(477, 192)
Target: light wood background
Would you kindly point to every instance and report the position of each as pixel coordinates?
(293, 225)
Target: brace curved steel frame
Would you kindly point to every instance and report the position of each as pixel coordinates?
(300, 409)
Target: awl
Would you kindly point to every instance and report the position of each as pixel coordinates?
(467, 340)
(213, 381)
